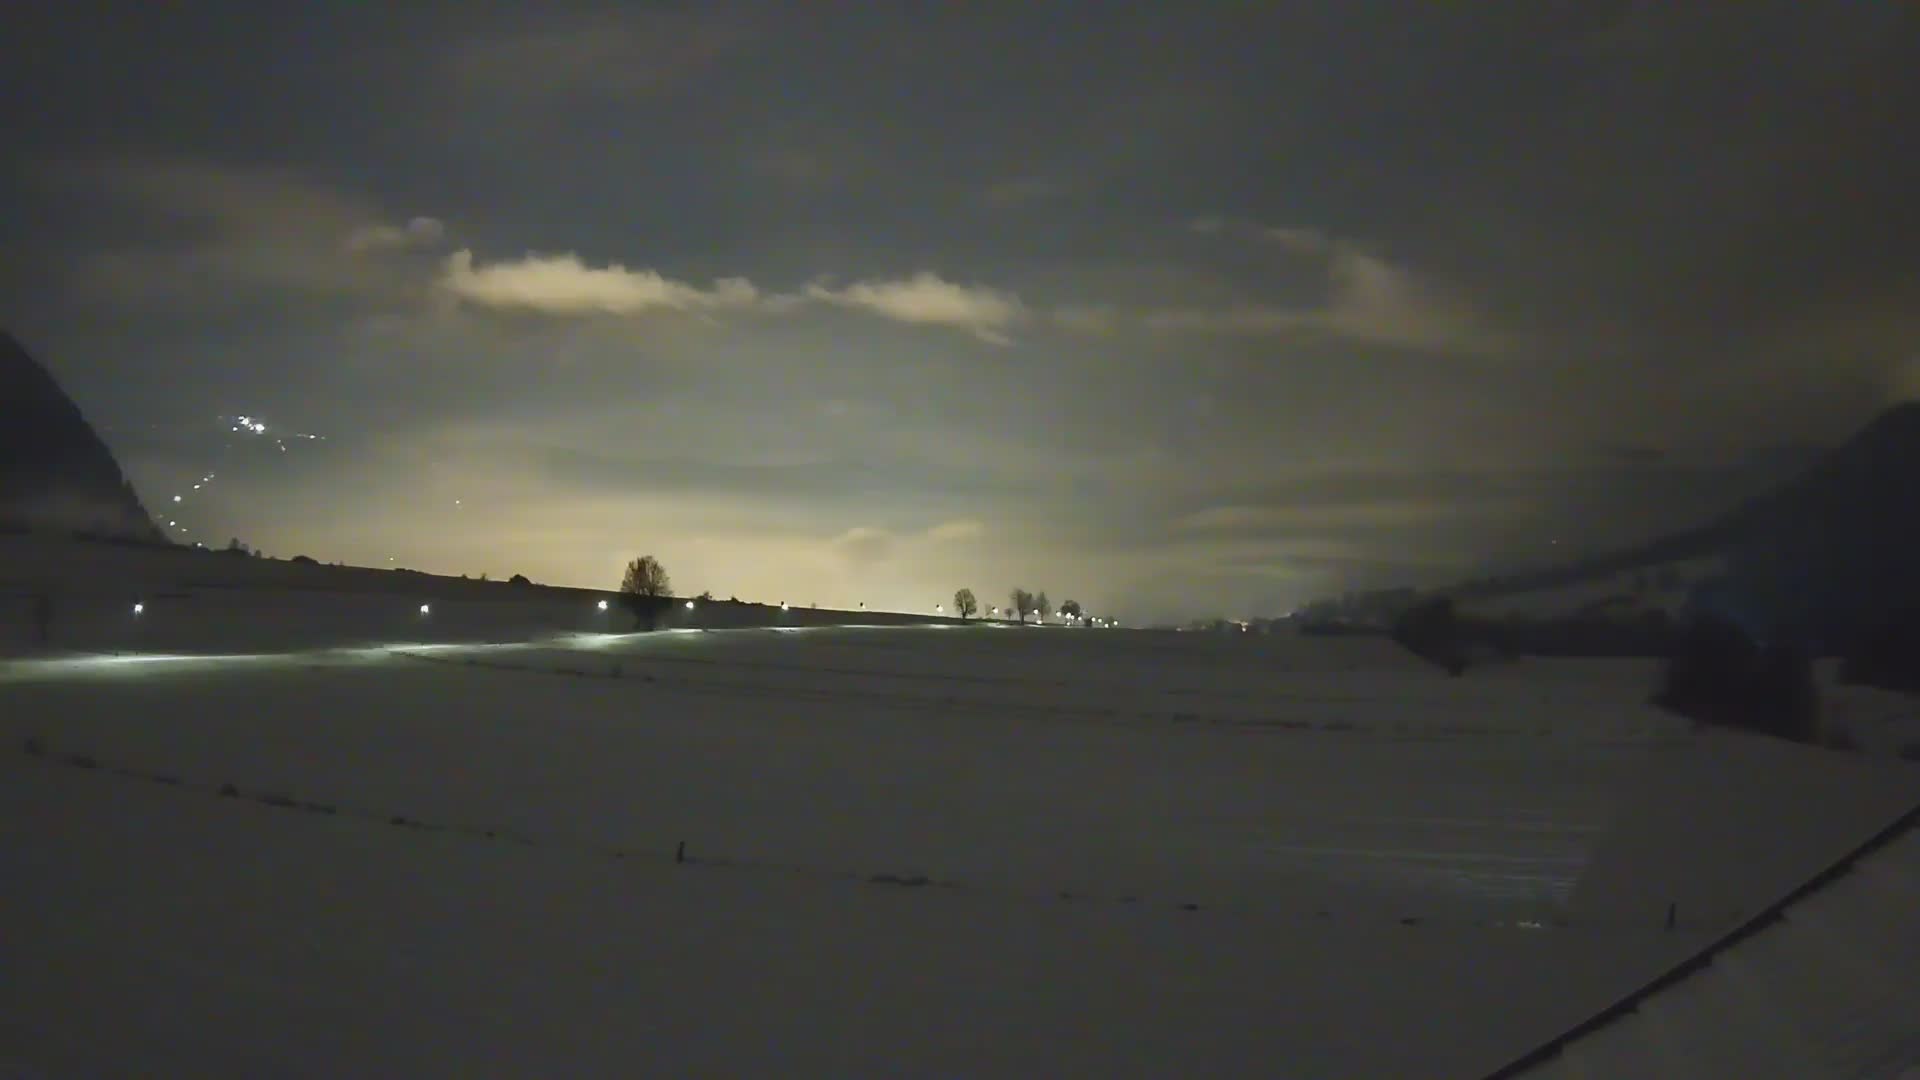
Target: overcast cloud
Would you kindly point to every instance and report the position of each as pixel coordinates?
(1171, 311)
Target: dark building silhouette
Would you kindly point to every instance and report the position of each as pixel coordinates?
(56, 475)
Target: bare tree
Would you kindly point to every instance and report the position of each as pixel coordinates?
(646, 590)
(1022, 603)
(646, 577)
(965, 604)
(1041, 607)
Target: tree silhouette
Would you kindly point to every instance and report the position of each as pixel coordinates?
(965, 604)
(1041, 607)
(645, 589)
(1022, 602)
(1070, 609)
(646, 577)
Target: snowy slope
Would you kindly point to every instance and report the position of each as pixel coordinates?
(106, 597)
(1828, 986)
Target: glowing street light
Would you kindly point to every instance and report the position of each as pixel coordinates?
(138, 608)
(689, 605)
(426, 609)
(783, 605)
(602, 605)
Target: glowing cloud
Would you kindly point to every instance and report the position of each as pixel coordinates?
(927, 298)
(564, 285)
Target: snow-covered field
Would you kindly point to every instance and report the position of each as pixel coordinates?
(909, 851)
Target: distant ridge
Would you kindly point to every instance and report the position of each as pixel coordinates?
(1829, 554)
(56, 474)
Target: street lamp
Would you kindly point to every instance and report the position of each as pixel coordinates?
(602, 605)
(426, 609)
(139, 607)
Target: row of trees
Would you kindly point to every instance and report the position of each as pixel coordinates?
(1022, 603)
(645, 586)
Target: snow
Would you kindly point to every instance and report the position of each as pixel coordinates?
(1829, 989)
(1146, 854)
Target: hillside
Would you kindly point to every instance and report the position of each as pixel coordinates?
(56, 474)
(1828, 555)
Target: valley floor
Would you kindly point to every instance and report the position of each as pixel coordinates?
(913, 850)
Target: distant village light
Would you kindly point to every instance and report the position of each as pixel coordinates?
(602, 605)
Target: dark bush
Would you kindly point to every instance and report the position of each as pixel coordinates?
(1431, 630)
(518, 579)
(1718, 676)
(1886, 657)
(307, 560)
(647, 610)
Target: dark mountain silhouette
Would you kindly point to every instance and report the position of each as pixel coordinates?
(1824, 557)
(56, 475)
(1832, 553)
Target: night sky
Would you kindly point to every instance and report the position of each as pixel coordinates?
(1204, 309)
